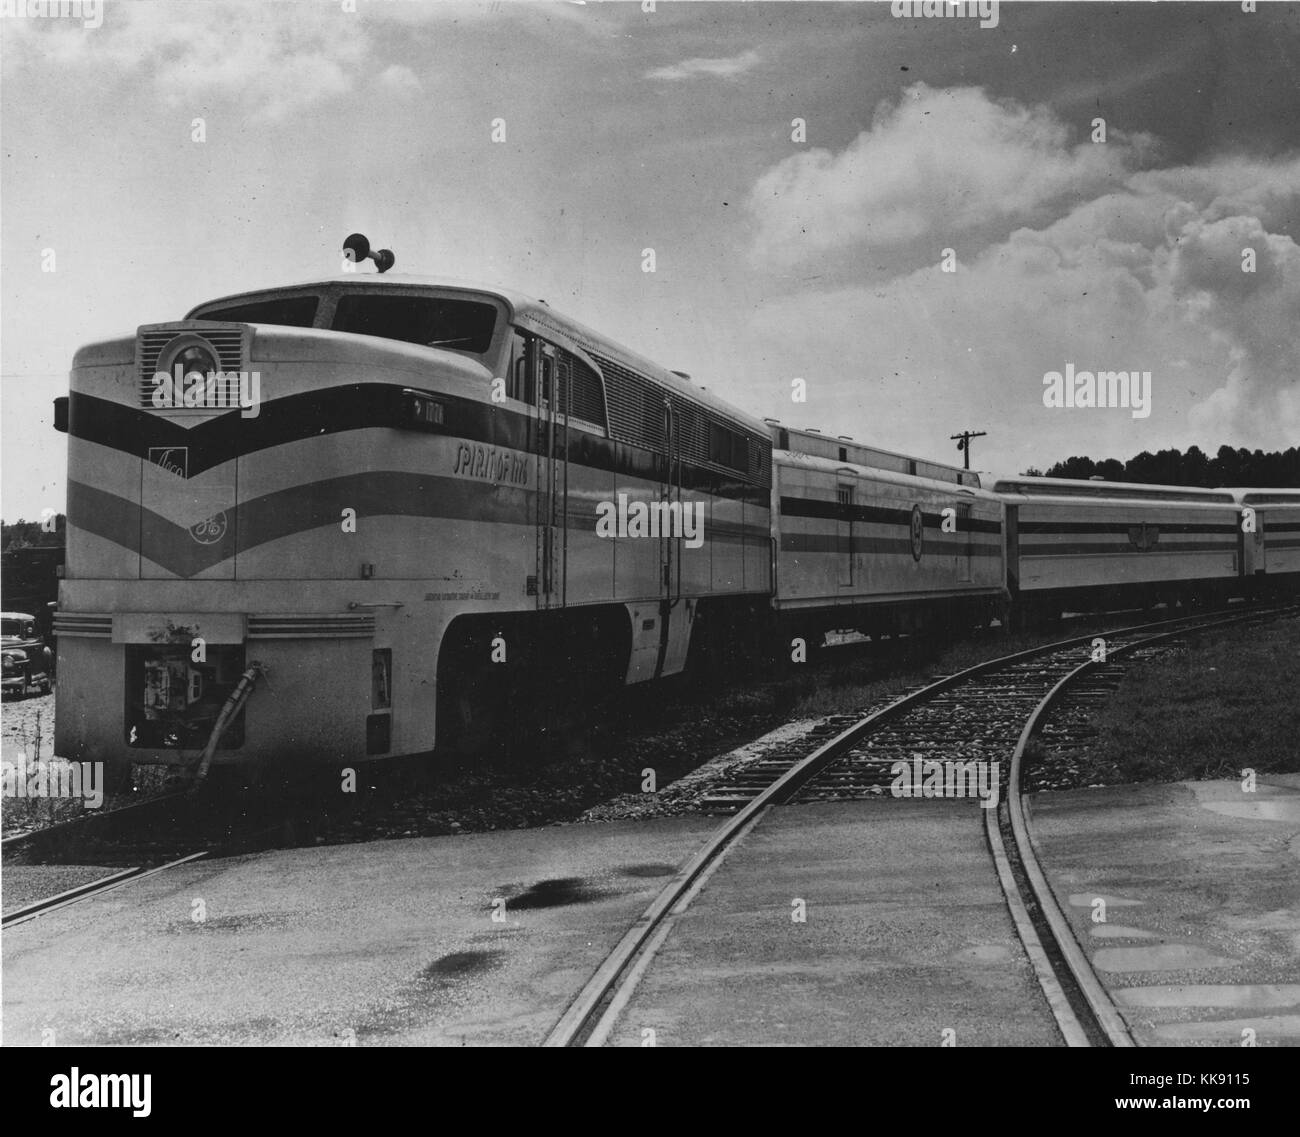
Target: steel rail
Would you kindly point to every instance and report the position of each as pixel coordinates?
(583, 1014)
(92, 889)
(1106, 1018)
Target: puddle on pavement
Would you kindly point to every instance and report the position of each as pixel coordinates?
(1159, 957)
(1119, 932)
(1087, 899)
(1266, 1030)
(648, 870)
(555, 893)
(447, 982)
(1266, 803)
(1276, 810)
(1277, 920)
(982, 953)
(1211, 995)
(460, 964)
(253, 922)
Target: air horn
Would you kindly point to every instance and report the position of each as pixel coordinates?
(356, 248)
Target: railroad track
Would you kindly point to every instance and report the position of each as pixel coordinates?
(983, 714)
(149, 837)
(93, 888)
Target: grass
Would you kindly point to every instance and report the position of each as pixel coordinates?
(1218, 703)
(853, 681)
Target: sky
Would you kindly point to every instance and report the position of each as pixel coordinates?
(780, 253)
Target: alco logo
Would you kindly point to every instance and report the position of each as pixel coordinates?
(918, 532)
(173, 459)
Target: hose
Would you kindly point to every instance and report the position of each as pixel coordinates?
(232, 706)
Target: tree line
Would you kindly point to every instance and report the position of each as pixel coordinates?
(1276, 469)
(24, 534)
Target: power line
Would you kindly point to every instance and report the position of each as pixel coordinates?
(963, 443)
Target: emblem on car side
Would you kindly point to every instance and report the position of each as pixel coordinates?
(1143, 537)
(211, 530)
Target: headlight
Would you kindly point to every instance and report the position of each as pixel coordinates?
(194, 359)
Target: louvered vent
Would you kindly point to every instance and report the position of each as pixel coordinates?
(83, 624)
(227, 342)
(324, 625)
(636, 415)
(588, 398)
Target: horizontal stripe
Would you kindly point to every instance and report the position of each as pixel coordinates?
(361, 406)
(375, 493)
(1041, 527)
(881, 515)
(881, 546)
(1064, 549)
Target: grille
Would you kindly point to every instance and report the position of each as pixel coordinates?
(636, 415)
(82, 624)
(226, 342)
(326, 625)
(588, 399)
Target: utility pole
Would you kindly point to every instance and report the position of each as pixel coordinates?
(963, 441)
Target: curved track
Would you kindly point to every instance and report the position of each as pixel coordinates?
(951, 712)
(147, 837)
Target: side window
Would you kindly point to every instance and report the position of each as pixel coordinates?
(728, 448)
(548, 379)
(520, 385)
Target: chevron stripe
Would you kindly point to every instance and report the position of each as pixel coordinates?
(372, 493)
(358, 406)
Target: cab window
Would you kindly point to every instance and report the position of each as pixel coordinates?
(520, 384)
(431, 321)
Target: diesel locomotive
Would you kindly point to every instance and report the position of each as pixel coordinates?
(378, 515)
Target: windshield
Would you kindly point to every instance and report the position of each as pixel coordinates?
(288, 311)
(431, 321)
(13, 628)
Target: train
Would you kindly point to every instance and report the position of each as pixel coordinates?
(379, 515)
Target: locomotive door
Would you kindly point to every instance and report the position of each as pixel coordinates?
(965, 543)
(670, 533)
(844, 534)
(552, 474)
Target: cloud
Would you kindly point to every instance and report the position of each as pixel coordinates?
(938, 162)
(398, 80)
(274, 59)
(1254, 314)
(725, 68)
(1119, 269)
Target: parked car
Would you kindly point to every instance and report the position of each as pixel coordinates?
(25, 658)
